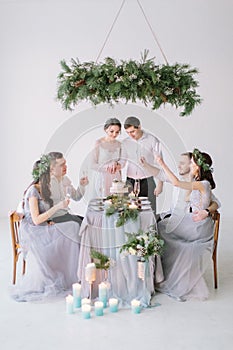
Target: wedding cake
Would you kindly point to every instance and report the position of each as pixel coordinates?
(118, 187)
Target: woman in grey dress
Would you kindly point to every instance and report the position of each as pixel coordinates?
(188, 244)
(52, 250)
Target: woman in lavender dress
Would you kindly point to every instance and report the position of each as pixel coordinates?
(52, 250)
(188, 244)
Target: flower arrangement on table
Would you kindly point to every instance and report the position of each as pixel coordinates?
(121, 205)
(143, 244)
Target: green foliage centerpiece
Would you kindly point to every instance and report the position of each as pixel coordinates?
(120, 204)
(131, 80)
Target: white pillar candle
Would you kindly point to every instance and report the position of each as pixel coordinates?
(86, 311)
(69, 304)
(113, 304)
(85, 301)
(135, 306)
(99, 308)
(76, 287)
(90, 272)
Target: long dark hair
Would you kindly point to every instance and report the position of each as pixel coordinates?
(204, 162)
(44, 182)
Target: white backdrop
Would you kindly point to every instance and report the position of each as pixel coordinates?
(36, 34)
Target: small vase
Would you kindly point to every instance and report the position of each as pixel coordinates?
(142, 267)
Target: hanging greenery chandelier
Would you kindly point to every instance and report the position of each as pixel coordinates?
(110, 82)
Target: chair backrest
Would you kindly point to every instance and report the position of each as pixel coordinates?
(216, 218)
(14, 227)
(15, 220)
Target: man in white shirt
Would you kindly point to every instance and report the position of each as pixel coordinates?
(139, 144)
(61, 187)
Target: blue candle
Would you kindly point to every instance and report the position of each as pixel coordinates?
(113, 305)
(103, 293)
(77, 294)
(99, 308)
(135, 306)
(86, 311)
(69, 304)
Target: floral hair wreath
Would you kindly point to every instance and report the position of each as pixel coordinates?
(200, 160)
(42, 167)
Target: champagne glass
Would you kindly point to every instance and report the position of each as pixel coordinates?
(136, 189)
(68, 192)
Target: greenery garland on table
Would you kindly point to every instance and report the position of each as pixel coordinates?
(120, 205)
(130, 80)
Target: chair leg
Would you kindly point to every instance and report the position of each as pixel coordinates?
(215, 270)
(14, 271)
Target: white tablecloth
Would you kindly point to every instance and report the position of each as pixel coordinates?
(99, 232)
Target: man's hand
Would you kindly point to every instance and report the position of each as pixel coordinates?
(199, 215)
(84, 181)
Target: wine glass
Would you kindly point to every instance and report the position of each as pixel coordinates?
(136, 189)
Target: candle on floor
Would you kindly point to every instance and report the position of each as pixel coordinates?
(69, 304)
(135, 306)
(85, 301)
(113, 304)
(76, 287)
(90, 272)
(86, 311)
(99, 308)
(103, 293)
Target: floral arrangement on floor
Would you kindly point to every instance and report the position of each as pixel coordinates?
(143, 244)
(130, 80)
(120, 204)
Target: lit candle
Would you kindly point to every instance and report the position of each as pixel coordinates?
(135, 306)
(113, 305)
(85, 301)
(99, 308)
(103, 293)
(133, 206)
(86, 311)
(76, 287)
(90, 272)
(69, 304)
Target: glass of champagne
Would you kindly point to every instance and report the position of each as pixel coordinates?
(136, 188)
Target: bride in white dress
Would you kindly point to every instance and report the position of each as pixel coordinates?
(108, 158)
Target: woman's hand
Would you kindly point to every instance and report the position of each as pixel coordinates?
(143, 161)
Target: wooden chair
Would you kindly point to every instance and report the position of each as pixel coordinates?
(216, 218)
(14, 228)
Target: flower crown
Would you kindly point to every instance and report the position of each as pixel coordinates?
(42, 167)
(200, 160)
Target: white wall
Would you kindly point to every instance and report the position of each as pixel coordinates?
(36, 34)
